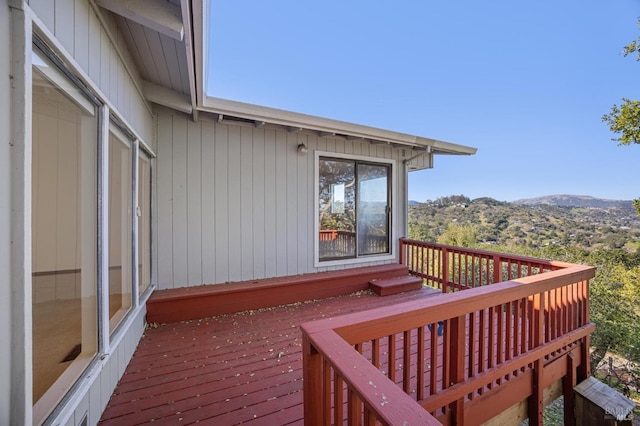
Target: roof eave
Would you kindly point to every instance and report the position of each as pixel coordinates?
(328, 126)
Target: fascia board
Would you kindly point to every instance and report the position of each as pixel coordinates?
(299, 120)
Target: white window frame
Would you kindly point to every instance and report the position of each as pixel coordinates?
(393, 188)
(24, 30)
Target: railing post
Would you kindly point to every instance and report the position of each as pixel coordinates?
(584, 370)
(313, 393)
(402, 253)
(568, 383)
(497, 269)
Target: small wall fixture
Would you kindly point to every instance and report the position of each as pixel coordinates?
(302, 149)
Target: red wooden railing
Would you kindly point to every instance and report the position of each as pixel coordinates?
(454, 268)
(390, 365)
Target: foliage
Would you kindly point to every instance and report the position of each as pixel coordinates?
(535, 226)
(625, 119)
(459, 235)
(546, 232)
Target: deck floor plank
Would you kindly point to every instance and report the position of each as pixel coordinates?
(227, 369)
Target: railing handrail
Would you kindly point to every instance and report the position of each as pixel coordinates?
(502, 256)
(375, 390)
(372, 324)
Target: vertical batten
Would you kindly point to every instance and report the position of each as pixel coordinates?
(270, 218)
(234, 204)
(304, 237)
(291, 156)
(221, 203)
(207, 197)
(164, 215)
(194, 203)
(281, 203)
(179, 200)
(259, 212)
(247, 187)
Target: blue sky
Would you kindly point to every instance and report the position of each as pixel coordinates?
(525, 82)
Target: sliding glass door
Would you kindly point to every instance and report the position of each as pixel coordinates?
(354, 200)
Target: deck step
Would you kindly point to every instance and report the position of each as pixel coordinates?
(387, 286)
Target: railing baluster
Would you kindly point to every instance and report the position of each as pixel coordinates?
(392, 357)
(406, 362)
(490, 346)
(500, 350)
(420, 372)
(338, 399)
(433, 360)
(326, 387)
(445, 270)
(456, 375)
(525, 324)
(482, 337)
(375, 352)
(471, 364)
(354, 408)
(508, 332)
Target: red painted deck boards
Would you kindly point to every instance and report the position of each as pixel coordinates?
(228, 369)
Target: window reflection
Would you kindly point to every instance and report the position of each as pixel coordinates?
(353, 208)
(144, 222)
(120, 227)
(64, 235)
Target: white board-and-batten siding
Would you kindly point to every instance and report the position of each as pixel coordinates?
(236, 202)
(100, 51)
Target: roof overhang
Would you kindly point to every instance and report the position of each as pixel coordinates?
(261, 115)
(181, 27)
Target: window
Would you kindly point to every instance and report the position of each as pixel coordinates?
(82, 203)
(120, 226)
(64, 233)
(353, 208)
(144, 222)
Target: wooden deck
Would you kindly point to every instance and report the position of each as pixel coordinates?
(229, 369)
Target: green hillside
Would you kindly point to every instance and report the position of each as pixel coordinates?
(583, 222)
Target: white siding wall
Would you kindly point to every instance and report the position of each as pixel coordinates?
(5, 219)
(236, 202)
(108, 64)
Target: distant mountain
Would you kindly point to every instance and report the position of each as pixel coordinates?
(414, 203)
(574, 201)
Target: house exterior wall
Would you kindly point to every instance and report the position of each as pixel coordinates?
(236, 202)
(97, 54)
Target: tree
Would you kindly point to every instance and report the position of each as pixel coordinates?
(625, 119)
(459, 235)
